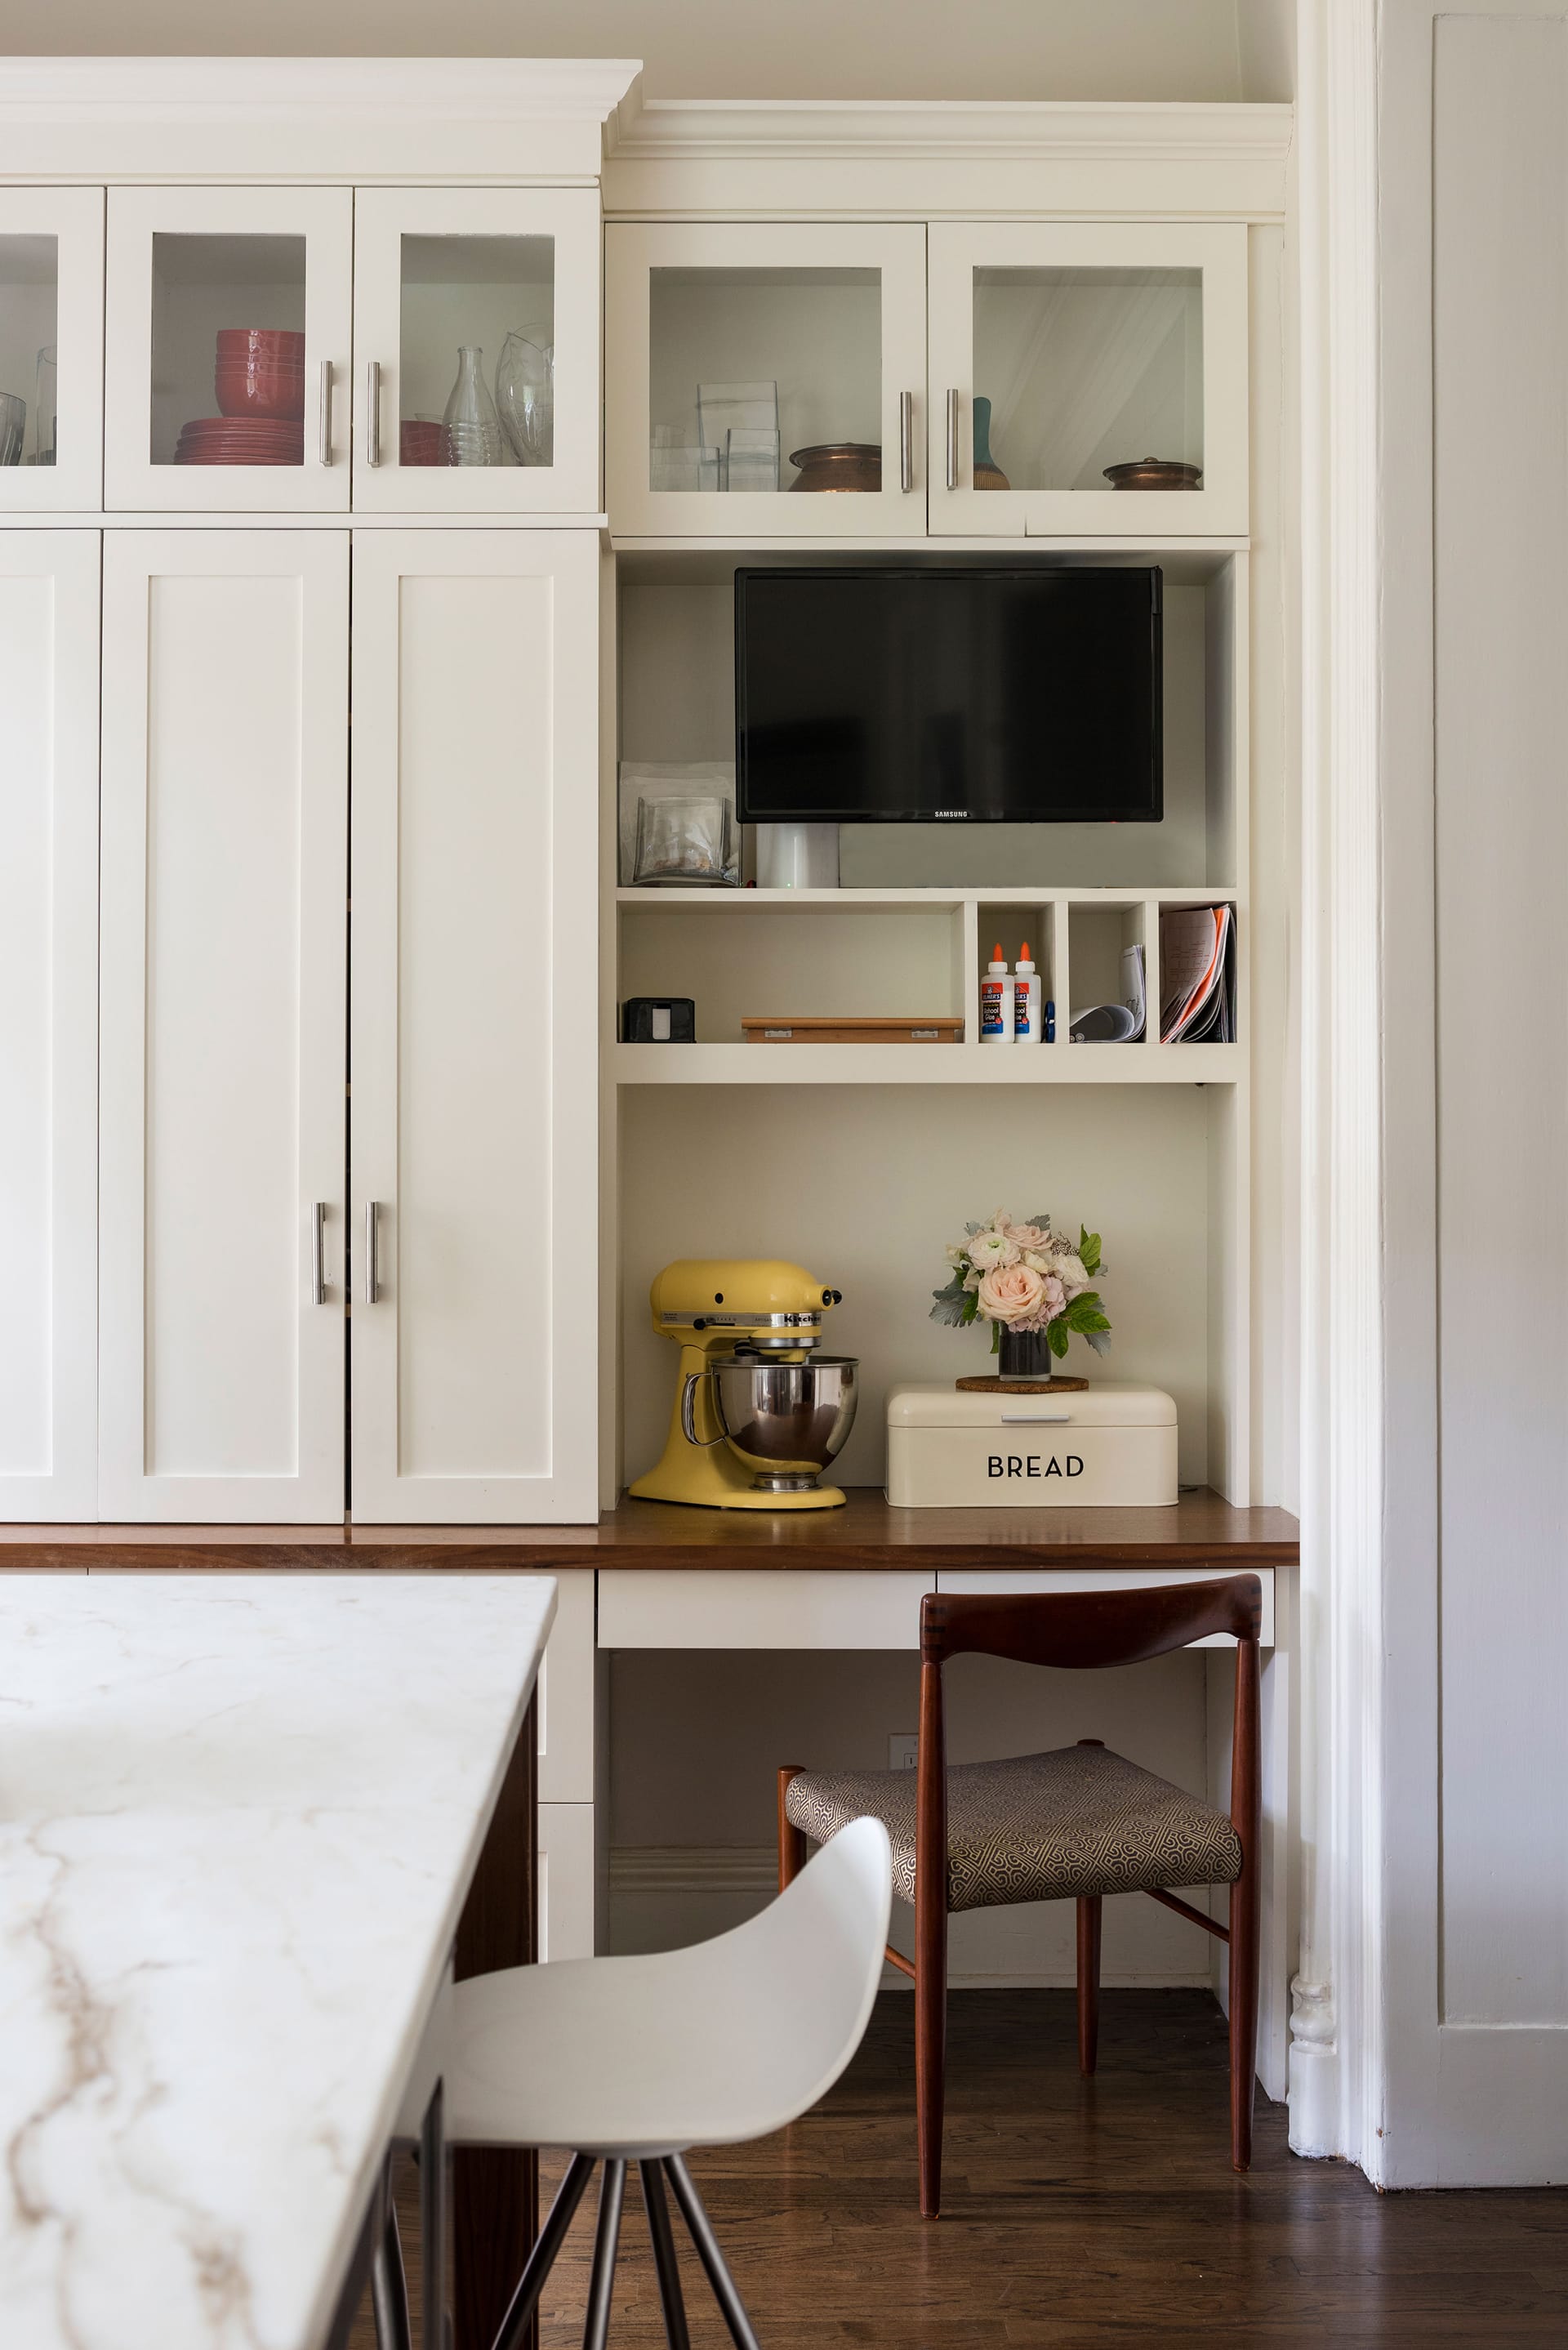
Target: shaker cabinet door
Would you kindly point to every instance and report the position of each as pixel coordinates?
(48, 1020)
(222, 1107)
(51, 349)
(476, 347)
(473, 1046)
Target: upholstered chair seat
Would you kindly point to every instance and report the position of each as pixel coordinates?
(1080, 1820)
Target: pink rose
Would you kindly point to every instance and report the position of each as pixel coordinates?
(1053, 1301)
(1025, 1237)
(1012, 1293)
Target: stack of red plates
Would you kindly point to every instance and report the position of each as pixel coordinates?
(240, 441)
(260, 371)
(419, 442)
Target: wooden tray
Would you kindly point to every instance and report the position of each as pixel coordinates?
(850, 1028)
(996, 1386)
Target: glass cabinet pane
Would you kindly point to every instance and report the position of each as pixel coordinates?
(1081, 372)
(764, 378)
(477, 350)
(29, 306)
(228, 349)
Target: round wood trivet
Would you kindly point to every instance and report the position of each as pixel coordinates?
(994, 1386)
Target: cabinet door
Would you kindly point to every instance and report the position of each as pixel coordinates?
(48, 1020)
(222, 1143)
(739, 353)
(1060, 352)
(510, 278)
(475, 1024)
(227, 335)
(51, 348)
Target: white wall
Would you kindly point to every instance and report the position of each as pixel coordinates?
(700, 48)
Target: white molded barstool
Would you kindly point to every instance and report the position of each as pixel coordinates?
(637, 2059)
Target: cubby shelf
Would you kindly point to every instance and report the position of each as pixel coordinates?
(927, 1064)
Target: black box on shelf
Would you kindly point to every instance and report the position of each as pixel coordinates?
(659, 1020)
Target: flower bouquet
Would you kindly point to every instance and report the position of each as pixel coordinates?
(1028, 1283)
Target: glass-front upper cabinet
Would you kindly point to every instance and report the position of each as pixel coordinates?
(476, 332)
(1089, 378)
(229, 315)
(752, 371)
(51, 348)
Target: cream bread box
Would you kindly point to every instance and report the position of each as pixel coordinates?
(1108, 1446)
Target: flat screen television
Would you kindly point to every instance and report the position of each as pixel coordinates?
(890, 694)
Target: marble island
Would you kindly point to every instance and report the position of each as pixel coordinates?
(238, 1818)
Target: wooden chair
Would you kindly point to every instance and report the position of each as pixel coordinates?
(1076, 1824)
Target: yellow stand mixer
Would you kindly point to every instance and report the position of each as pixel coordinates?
(758, 1413)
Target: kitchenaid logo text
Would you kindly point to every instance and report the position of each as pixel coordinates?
(1027, 1464)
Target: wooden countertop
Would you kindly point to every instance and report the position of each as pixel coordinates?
(1201, 1529)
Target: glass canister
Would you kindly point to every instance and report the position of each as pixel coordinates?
(470, 428)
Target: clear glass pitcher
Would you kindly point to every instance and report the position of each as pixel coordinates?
(525, 394)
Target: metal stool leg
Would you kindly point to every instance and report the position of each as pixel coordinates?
(389, 2285)
(601, 2282)
(541, 2259)
(713, 2259)
(662, 2238)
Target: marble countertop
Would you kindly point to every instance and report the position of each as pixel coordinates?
(238, 1818)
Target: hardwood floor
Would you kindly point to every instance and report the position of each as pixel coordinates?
(1075, 2214)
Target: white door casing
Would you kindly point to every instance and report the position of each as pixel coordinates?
(569, 217)
(474, 1025)
(223, 1013)
(323, 217)
(49, 1022)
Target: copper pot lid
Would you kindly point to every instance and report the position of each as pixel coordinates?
(838, 464)
(1155, 473)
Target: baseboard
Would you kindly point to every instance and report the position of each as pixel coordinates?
(664, 1896)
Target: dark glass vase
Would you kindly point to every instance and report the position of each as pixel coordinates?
(1026, 1355)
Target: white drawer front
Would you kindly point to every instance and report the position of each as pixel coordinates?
(759, 1607)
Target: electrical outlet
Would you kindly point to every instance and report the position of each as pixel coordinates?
(903, 1748)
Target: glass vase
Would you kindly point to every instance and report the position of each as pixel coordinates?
(1025, 1355)
(470, 431)
(525, 394)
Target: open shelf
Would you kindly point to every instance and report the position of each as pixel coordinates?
(927, 1064)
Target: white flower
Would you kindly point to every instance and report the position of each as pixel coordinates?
(1070, 1271)
(991, 1250)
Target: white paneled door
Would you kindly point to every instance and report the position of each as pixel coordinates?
(472, 1051)
(49, 1019)
(51, 349)
(222, 1145)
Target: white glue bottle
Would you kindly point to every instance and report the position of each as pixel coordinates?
(996, 1003)
(1025, 1000)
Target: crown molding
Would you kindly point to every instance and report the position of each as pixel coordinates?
(259, 89)
(714, 131)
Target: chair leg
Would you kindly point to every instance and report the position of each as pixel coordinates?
(666, 2267)
(701, 2229)
(793, 1844)
(389, 2285)
(513, 2327)
(607, 2238)
(930, 2046)
(1244, 1951)
(1089, 1983)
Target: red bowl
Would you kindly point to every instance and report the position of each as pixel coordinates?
(282, 343)
(259, 392)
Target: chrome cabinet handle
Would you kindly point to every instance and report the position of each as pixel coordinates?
(1036, 1418)
(905, 440)
(952, 440)
(323, 417)
(373, 411)
(319, 1253)
(372, 1258)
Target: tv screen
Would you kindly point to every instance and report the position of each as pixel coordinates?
(889, 694)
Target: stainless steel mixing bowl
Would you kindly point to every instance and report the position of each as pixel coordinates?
(787, 1420)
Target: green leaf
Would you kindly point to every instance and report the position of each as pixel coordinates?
(971, 1308)
(1099, 1340)
(948, 1303)
(1057, 1334)
(1089, 1249)
(996, 1337)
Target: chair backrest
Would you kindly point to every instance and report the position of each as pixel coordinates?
(1084, 1631)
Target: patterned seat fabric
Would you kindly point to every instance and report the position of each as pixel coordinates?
(1037, 1827)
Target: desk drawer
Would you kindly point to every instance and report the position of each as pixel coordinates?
(759, 1607)
(1113, 1578)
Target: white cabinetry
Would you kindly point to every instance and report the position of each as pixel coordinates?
(222, 1097)
(473, 1047)
(187, 265)
(49, 1019)
(51, 347)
